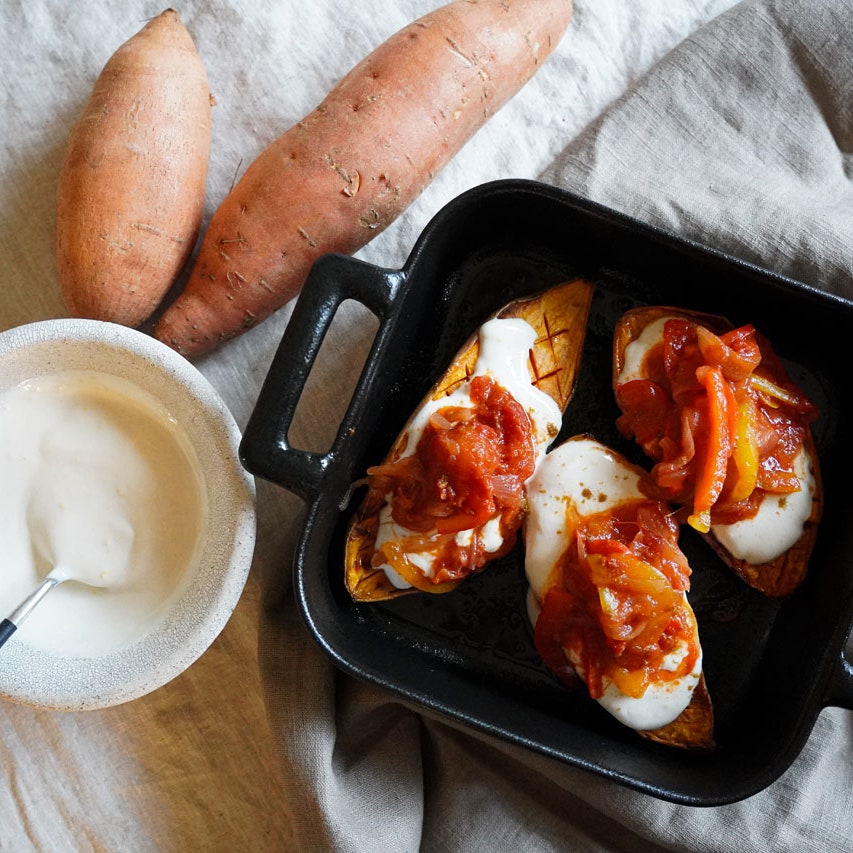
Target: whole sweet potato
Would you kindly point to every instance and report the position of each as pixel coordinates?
(346, 171)
(131, 190)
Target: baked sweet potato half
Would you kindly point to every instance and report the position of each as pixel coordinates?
(449, 497)
(729, 434)
(608, 593)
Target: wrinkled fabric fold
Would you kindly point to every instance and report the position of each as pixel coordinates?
(739, 139)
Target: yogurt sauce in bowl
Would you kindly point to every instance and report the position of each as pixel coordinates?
(100, 479)
(117, 455)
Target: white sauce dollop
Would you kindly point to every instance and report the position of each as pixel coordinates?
(504, 355)
(777, 525)
(589, 475)
(99, 480)
(637, 350)
(580, 472)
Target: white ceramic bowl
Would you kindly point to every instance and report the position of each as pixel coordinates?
(215, 580)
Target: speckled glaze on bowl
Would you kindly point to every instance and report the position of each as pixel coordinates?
(33, 677)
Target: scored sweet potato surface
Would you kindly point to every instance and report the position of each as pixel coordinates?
(559, 317)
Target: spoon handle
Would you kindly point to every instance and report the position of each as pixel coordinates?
(8, 625)
(7, 628)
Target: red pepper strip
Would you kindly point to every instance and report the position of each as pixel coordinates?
(719, 433)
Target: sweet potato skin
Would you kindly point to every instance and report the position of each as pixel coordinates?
(131, 190)
(346, 171)
(780, 577)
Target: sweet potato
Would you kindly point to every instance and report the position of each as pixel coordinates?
(342, 174)
(558, 317)
(607, 593)
(131, 190)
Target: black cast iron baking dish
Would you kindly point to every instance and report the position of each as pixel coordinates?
(771, 666)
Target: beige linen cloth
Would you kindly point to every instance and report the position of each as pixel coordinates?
(730, 123)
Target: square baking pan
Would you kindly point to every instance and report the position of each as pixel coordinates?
(771, 665)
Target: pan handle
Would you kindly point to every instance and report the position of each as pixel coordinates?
(840, 693)
(265, 449)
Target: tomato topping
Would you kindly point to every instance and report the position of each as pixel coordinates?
(559, 612)
(617, 612)
(720, 417)
(646, 407)
(469, 466)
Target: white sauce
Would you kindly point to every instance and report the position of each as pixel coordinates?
(780, 518)
(657, 707)
(99, 480)
(590, 476)
(504, 355)
(582, 472)
(636, 351)
(777, 525)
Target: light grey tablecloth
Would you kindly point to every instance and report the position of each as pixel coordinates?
(731, 123)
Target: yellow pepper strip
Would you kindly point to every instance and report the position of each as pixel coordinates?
(772, 391)
(744, 452)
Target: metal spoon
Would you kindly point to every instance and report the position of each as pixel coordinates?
(11, 623)
(55, 515)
